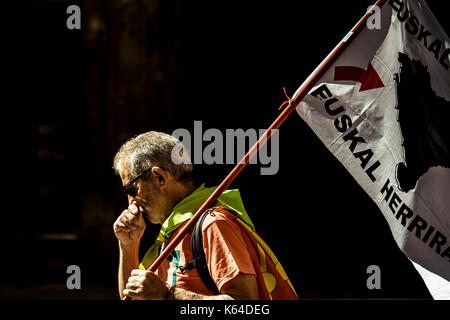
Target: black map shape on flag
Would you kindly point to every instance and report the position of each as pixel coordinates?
(424, 121)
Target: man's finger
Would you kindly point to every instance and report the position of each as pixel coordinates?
(135, 279)
(135, 219)
(131, 293)
(137, 272)
(133, 209)
(127, 225)
(128, 215)
(127, 221)
(121, 227)
(132, 285)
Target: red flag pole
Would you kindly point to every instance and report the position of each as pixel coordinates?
(300, 94)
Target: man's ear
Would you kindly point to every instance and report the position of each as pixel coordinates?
(161, 176)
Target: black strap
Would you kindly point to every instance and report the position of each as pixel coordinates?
(198, 253)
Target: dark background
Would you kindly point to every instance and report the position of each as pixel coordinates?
(72, 97)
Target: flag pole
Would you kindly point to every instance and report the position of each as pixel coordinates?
(298, 96)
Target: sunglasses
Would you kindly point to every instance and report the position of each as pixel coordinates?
(128, 189)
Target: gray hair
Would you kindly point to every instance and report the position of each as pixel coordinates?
(152, 149)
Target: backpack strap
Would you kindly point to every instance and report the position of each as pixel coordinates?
(199, 257)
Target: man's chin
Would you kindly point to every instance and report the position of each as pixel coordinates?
(153, 219)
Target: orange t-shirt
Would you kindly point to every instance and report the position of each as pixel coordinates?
(226, 253)
(229, 250)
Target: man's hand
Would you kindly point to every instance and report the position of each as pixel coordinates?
(146, 285)
(130, 226)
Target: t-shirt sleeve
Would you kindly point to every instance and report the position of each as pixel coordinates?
(226, 251)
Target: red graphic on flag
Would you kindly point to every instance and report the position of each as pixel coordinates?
(369, 78)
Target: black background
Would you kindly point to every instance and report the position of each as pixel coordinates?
(232, 60)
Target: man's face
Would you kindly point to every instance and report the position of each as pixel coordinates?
(148, 196)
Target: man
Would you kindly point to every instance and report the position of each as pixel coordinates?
(164, 193)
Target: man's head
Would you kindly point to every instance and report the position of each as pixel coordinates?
(159, 184)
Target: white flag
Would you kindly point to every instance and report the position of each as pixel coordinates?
(383, 110)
